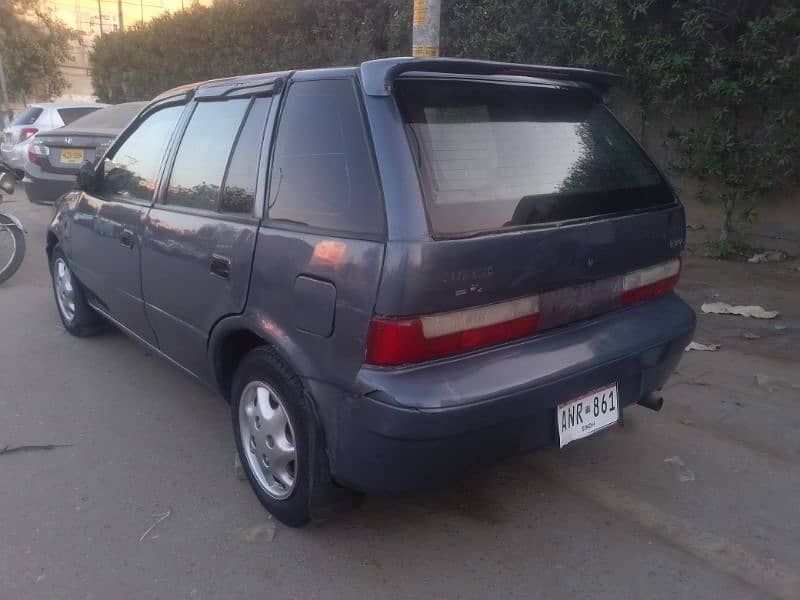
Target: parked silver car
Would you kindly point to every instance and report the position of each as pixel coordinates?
(38, 117)
(55, 157)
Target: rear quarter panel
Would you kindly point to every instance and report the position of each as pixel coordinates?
(278, 306)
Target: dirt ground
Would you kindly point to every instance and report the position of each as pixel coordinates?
(139, 499)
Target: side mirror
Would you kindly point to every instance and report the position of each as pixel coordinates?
(87, 177)
(7, 183)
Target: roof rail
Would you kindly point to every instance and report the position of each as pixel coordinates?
(377, 76)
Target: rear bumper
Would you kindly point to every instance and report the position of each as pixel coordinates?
(425, 427)
(47, 187)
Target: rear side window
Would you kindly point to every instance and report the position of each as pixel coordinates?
(68, 115)
(28, 116)
(494, 156)
(322, 173)
(200, 163)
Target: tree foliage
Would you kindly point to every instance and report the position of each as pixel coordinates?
(33, 45)
(237, 37)
(733, 66)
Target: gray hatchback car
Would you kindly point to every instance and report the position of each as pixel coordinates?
(395, 273)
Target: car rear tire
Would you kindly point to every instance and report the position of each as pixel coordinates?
(280, 445)
(78, 317)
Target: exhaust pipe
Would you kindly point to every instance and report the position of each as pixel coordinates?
(653, 401)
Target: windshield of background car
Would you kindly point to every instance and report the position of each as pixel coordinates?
(494, 156)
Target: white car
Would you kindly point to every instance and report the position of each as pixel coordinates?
(38, 117)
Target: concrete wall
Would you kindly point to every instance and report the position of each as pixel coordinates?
(778, 221)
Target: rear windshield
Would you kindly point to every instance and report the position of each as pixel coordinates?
(113, 117)
(28, 116)
(68, 115)
(496, 156)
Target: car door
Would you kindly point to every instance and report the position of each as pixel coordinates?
(105, 236)
(200, 235)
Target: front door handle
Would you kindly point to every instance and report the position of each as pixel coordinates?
(221, 266)
(127, 238)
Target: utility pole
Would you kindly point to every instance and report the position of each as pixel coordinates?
(119, 9)
(3, 95)
(100, 15)
(425, 38)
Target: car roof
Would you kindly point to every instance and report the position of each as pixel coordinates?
(378, 75)
(225, 85)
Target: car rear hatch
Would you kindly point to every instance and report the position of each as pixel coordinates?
(542, 209)
(64, 152)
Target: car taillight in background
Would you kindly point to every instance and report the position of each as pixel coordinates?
(650, 282)
(36, 152)
(27, 132)
(393, 342)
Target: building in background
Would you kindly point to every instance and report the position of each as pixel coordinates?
(92, 18)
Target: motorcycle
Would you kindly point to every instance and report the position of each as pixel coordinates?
(12, 234)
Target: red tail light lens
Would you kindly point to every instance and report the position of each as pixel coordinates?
(27, 132)
(36, 151)
(393, 342)
(650, 282)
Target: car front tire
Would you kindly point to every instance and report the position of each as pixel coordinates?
(78, 317)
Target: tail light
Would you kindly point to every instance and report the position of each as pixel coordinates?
(27, 132)
(399, 341)
(644, 284)
(36, 152)
(393, 342)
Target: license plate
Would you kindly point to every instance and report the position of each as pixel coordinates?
(71, 156)
(588, 414)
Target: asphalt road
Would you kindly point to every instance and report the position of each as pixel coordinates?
(700, 500)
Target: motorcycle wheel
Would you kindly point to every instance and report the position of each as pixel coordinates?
(12, 248)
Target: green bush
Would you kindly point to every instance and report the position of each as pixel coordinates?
(732, 64)
(238, 37)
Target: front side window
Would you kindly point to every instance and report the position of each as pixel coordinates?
(322, 173)
(132, 169)
(494, 156)
(200, 163)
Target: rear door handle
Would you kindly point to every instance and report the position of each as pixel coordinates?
(221, 266)
(127, 238)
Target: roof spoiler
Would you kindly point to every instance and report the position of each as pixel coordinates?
(377, 76)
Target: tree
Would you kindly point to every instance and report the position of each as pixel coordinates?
(744, 82)
(33, 45)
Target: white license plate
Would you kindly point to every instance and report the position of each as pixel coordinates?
(588, 414)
